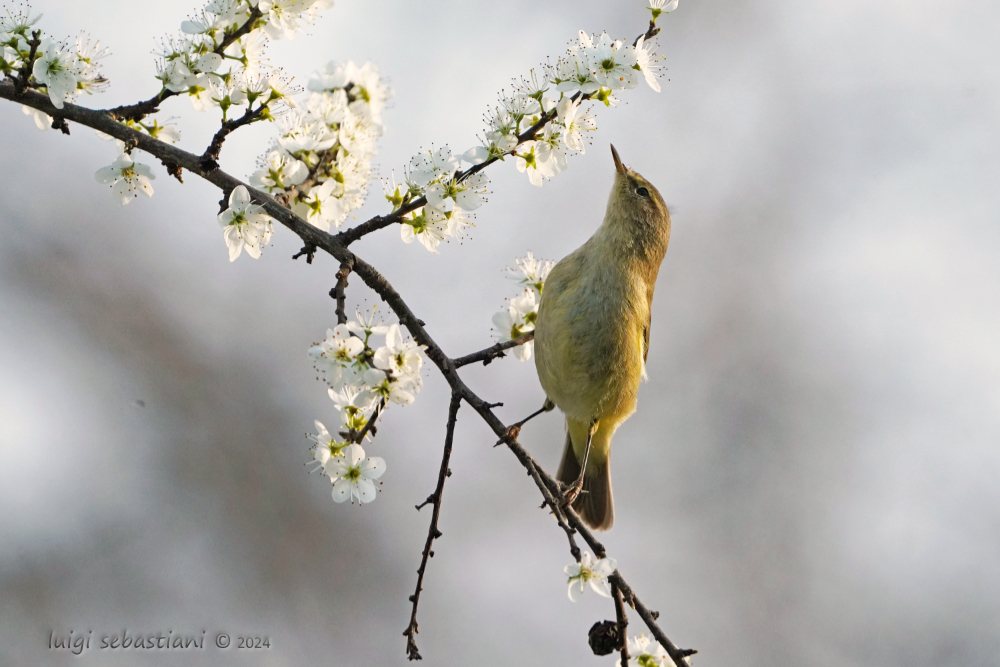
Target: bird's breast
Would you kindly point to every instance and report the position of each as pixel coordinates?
(588, 342)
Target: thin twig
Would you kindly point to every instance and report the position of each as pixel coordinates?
(622, 622)
(22, 77)
(557, 508)
(210, 157)
(432, 532)
(339, 292)
(493, 351)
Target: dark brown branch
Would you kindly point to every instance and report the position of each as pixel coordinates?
(209, 159)
(432, 532)
(622, 622)
(493, 351)
(339, 292)
(370, 424)
(21, 83)
(556, 507)
(651, 32)
(140, 110)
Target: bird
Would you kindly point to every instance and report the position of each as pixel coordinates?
(592, 336)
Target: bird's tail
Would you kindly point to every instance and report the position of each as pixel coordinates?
(595, 505)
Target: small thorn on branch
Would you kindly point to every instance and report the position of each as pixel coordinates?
(59, 123)
(176, 171)
(430, 500)
(309, 251)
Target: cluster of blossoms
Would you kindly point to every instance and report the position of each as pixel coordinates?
(363, 380)
(450, 193)
(216, 70)
(518, 318)
(550, 105)
(327, 147)
(62, 69)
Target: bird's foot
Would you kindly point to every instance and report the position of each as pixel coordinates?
(510, 435)
(572, 492)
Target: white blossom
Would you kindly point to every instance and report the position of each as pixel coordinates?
(531, 271)
(57, 68)
(661, 7)
(589, 571)
(400, 358)
(126, 178)
(430, 226)
(354, 475)
(644, 652)
(334, 356)
(365, 325)
(279, 171)
(551, 152)
(644, 60)
(354, 404)
(320, 207)
(245, 225)
(518, 319)
(466, 194)
(611, 63)
(432, 165)
(43, 121)
(401, 391)
(576, 123)
(527, 162)
(325, 445)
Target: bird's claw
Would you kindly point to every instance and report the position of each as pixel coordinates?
(509, 436)
(571, 493)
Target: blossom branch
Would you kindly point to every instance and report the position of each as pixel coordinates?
(493, 351)
(140, 110)
(336, 245)
(378, 222)
(432, 532)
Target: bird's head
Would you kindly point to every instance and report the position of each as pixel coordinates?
(635, 206)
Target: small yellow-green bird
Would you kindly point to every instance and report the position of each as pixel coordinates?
(592, 335)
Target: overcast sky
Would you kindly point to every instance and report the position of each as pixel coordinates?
(812, 474)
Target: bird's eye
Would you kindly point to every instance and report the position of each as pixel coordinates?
(642, 192)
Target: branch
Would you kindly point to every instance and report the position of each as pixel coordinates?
(210, 157)
(622, 622)
(338, 292)
(351, 235)
(370, 424)
(432, 532)
(140, 110)
(493, 351)
(22, 77)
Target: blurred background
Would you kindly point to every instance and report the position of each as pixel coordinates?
(811, 477)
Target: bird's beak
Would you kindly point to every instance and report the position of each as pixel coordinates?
(618, 163)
